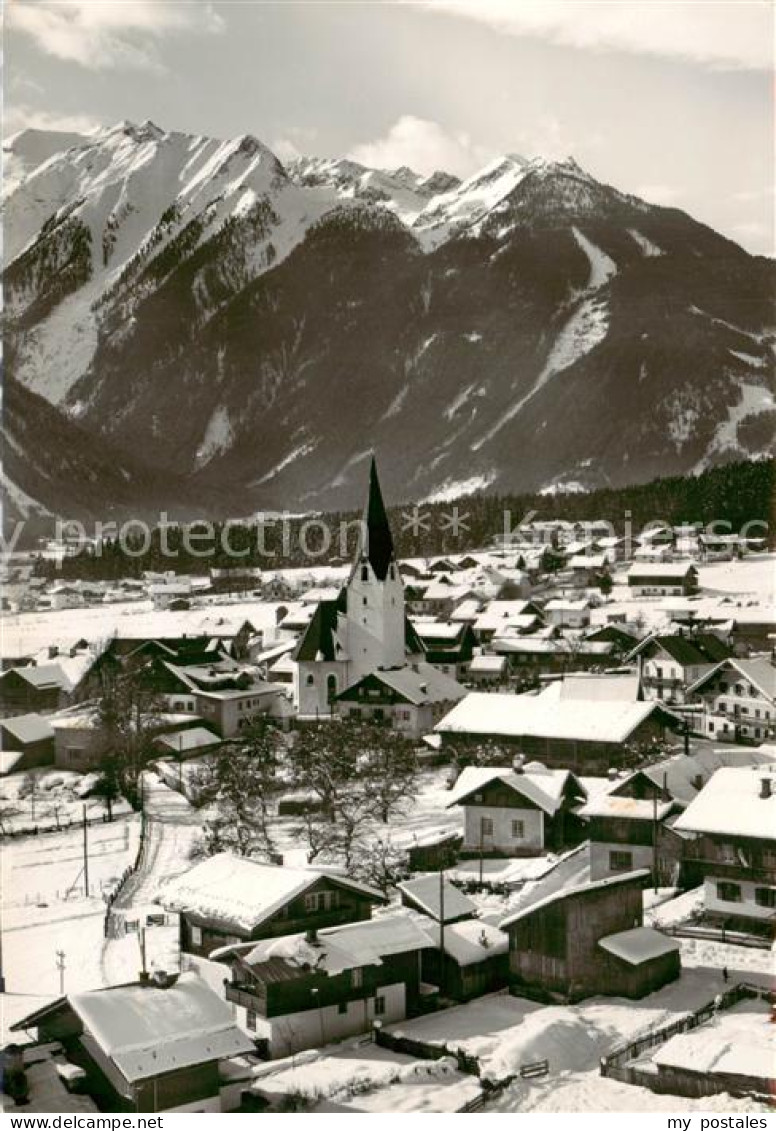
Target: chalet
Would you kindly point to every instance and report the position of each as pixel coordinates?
(670, 664)
(557, 729)
(567, 614)
(31, 737)
(629, 830)
(738, 699)
(530, 657)
(522, 811)
(411, 699)
(589, 940)
(228, 712)
(586, 569)
(228, 899)
(624, 642)
(661, 579)
(146, 1047)
(500, 617)
(449, 646)
(34, 689)
(303, 991)
(734, 819)
(488, 671)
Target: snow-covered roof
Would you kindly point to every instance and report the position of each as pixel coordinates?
(760, 673)
(487, 664)
(734, 1043)
(639, 874)
(541, 786)
(600, 688)
(193, 738)
(240, 893)
(545, 716)
(640, 944)
(470, 941)
(424, 893)
(147, 1031)
(613, 805)
(28, 728)
(730, 804)
(419, 685)
(348, 947)
(41, 676)
(651, 570)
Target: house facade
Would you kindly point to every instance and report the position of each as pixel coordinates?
(628, 831)
(227, 900)
(734, 847)
(520, 811)
(663, 579)
(670, 664)
(411, 699)
(304, 991)
(738, 698)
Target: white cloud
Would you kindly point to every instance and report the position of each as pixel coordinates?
(23, 117)
(423, 145)
(285, 149)
(101, 34)
(726, 33)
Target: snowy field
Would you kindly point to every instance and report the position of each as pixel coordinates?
(754, 576)
(47, 798)
(369, 1078)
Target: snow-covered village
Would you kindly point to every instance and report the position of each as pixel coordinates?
(387, 562)
(419, 835)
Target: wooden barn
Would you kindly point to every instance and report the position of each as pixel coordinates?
(589, 940)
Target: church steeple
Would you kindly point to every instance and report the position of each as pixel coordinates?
(377, 541)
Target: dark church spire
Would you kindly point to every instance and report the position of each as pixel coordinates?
(377, 541)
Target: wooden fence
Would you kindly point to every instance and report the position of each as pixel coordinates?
(619, 1064)
(113, 924)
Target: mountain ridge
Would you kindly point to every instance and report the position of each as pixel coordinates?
(524, 328)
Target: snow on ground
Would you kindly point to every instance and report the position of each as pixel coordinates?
(506, 1032)
(455, 489)
(648, 248)
(586, 326)
(369, 1078)
(27, 633)
(48, 798)
(218, 437)
(591, 1092)
(754, 399)
(45, 910)
(752, 576)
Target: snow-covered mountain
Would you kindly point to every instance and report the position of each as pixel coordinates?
(523, 328)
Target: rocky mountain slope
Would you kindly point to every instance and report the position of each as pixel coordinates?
(238, 334)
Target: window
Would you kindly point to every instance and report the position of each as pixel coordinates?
(620, 861)
(74, 753)
(518, 830)
(478, 797)
(310, 681)
(364, 601)
(364, 573)
(379, 1006)
(331, 687)
(196, 936)
(729, 893)
(342, 1007)
(250, 1020)
(486, 826)
(357, 978)
(765, 897)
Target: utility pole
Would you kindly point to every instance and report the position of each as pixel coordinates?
(442, 927)
(61, 968)
(654, 838)
(482, 839)
(86, 855)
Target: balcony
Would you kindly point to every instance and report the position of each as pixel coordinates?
(239, 995)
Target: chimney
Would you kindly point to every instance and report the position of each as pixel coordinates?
(312, 937)
(766, 788)
(53, 651)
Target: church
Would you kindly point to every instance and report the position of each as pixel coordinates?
(366, 631)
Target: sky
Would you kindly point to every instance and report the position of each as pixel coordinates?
(672, 100)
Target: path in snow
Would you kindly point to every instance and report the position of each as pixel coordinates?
(172, 828)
